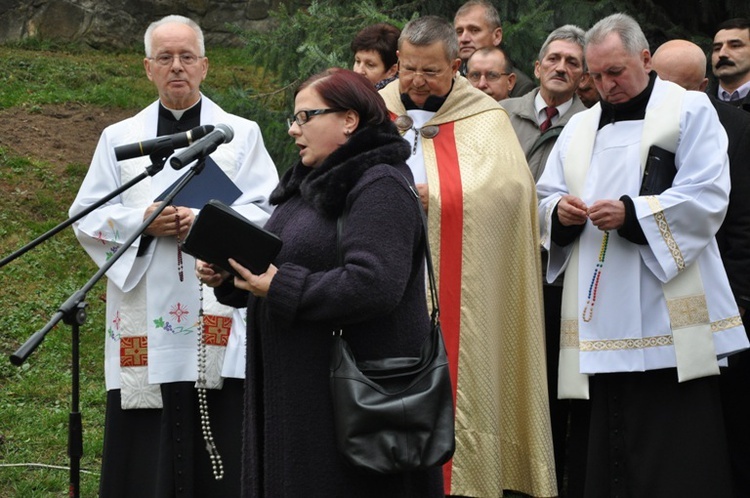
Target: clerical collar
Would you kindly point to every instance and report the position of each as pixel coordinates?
(177, 114)
(632, 110)
(432, 104)
(170, 123)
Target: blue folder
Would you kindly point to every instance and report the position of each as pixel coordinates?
(211, 183)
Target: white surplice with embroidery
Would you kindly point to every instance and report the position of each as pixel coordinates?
(145, 297)
(630, 327)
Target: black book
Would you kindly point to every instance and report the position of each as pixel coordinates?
(219, 233)
(659, 172)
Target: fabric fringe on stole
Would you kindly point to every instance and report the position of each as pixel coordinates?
(686, 302)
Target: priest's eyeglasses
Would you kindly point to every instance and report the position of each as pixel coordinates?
(428, 74)
(302, 117)
(490, 76)
(186, 59)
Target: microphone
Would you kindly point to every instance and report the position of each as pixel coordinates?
(177, 141)
(200, 149)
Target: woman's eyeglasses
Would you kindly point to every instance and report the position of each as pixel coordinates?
(302, 117)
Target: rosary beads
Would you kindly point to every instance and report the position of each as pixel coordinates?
(180, 268)
(216, 463)
(588, 310)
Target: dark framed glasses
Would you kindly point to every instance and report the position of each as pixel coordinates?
(302, 117)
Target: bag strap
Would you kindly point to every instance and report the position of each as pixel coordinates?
(435, 316)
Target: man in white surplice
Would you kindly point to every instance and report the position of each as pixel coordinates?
(647, 309)
(154, 438)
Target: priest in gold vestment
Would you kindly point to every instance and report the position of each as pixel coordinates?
(481, 200)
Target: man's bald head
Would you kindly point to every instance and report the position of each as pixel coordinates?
(681, 62)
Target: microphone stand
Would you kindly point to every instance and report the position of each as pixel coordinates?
(158, 158)
(73, 311)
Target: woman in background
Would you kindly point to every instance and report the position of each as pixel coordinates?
(375, 55)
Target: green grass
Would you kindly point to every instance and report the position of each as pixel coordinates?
(34, 197)
(33, 74)
(35, 397)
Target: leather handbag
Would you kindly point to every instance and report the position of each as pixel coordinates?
(394, 414)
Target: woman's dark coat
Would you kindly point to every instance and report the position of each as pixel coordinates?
(377, 297)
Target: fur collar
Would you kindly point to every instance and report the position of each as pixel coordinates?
(327, 186)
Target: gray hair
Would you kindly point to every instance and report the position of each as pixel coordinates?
(147, 38)
(627, 29)
(569, 32)
(427, 30)
(491, 15)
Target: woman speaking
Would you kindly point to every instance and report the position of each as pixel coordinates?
(351, 162)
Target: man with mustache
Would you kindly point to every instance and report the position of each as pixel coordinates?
(684, 63)
(538, 118)
(730, 60)
(546, 109)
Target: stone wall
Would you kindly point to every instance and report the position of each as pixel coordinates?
(121, 23)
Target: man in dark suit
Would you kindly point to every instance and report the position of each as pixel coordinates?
(730, 62)
(684, 63)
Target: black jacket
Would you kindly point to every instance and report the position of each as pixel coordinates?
(734, 235)
(377, 297)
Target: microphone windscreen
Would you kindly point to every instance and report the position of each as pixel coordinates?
(228, 132)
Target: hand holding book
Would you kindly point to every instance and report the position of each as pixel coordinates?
(257, 285)
(210, 274)
(219, 234)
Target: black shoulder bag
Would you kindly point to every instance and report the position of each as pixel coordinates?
(394, 414)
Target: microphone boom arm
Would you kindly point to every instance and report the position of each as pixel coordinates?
(77, 298)
(158, 157)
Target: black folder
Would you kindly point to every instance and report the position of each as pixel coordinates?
(219, 233)
(659, 172)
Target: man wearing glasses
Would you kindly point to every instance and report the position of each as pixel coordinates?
(479, 195)
(163, 437)
(489, 70)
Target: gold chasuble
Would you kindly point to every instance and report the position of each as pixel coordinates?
(484, 238)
